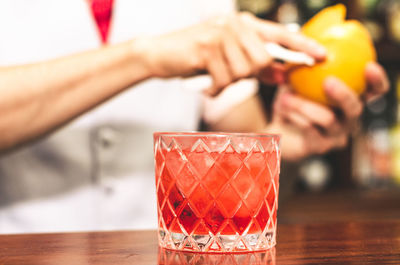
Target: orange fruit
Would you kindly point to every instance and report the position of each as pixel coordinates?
(349, 48)
(326, 18)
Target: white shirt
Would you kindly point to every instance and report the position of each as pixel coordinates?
(97, 172)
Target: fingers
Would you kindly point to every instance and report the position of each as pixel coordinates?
(315, 142)
(219, 71)
(347, 101)
(298, 120)
(240, 40)
(242, 52)
(296, 41)
(316, 114)
(275, 32)
(323, 144)
(254, 48)
(378, 82)
(319, 126)
(237, 60)
(316, 126)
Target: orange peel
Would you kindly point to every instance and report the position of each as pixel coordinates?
(349, 49)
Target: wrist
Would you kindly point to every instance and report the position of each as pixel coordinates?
(142, 57)
(273, 128)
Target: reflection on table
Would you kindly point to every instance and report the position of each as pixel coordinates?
(169, 257)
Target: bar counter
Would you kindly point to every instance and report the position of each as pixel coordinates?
(339, 228)
(336, 243)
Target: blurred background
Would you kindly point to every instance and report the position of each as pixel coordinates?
(366, 175)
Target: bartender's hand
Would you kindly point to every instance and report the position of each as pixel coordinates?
(310, 128)
(228, 48)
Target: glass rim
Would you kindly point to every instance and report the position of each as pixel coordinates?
(216, 134)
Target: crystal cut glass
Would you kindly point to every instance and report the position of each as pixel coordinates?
(171, 257)
(217, 192)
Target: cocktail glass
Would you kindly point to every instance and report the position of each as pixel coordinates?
(217, 192)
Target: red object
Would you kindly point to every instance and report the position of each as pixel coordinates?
(217, 190)
(102, 13)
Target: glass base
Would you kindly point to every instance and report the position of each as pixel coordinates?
(173, 257)
(217, 243)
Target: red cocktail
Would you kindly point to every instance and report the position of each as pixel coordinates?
(217, 192)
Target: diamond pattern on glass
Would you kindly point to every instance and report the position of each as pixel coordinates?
(168, 257)
(217, 194)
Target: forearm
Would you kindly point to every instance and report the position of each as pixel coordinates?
(38, 98)
(291, 143)
(248, 116)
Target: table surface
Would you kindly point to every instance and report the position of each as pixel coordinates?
(334, 243)
(330, 228)
(341, 206)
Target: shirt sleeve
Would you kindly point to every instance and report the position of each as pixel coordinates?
(211, 8)
(216, 108)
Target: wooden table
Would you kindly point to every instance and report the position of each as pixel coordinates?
(343, 227)
(333, 243)
(340, 206)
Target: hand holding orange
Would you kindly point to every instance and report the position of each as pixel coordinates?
(349, 49)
